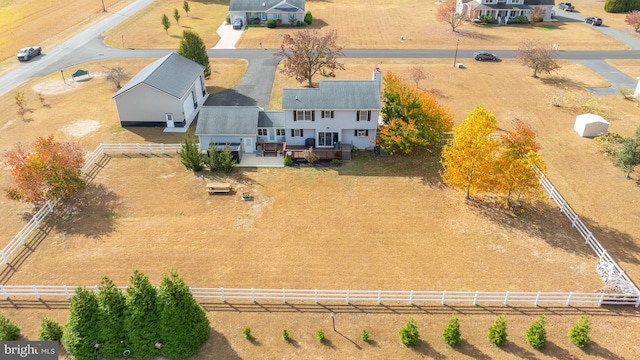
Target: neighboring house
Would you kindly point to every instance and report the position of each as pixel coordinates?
(334, 114)
(504, 10)
(287, 11)
(168, 92)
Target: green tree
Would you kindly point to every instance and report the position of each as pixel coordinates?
(308, 18)
(451, 334)
(141, 317)
(412, 117)
(308, 52)
(409, 333)
(629, 155)
(50, 330)
(579, 333)
(9, 331)
(537, 334)
(620, 6)
(498, 331)
(220, 160)
(192, 47)
(183, 323)
(51, 170)
(176, 15)
(190, 154)
(111, 305)
(82, 332)
(166, 24)
(469, 159)
(186, 7)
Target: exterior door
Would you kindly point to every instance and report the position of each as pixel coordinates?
(169, 118)
(272, 135)
(248, 145)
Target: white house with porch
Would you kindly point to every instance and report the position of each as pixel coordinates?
(505, 10)
(288, 12)
(167, 92)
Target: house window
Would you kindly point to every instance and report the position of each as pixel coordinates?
(327, 138)
(363, 115)
(195, 102)
(297, 132)
(361, 133)
(279, 132)
(303, 115)
(262, 132)
(489, 1)
(327, 114)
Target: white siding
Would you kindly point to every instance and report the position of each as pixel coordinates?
(145, 104)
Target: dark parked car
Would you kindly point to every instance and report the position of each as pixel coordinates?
(485, 55)
(28, 53)
(237, 24)
(594, 21)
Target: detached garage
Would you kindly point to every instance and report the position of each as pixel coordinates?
(590, 125)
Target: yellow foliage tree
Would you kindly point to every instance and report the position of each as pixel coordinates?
(469, 160)
(412, 117)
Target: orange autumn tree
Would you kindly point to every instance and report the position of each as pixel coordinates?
(51, 170)
(468, 160)
(412, 117)
(515, 174)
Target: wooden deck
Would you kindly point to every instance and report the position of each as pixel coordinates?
(297, 152)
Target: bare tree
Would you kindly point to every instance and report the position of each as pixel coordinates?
(537, 56)
(633, 19)
(308, 52)
(417, 74)
(448, 13)
(117, 75)
(538, 13)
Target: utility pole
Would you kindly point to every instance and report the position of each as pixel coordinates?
(455, 58)
(104, 9)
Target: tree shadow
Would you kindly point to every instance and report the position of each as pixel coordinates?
(91, 213)
(466, 348)
(562, 82)
(473, 34)
(555, 351)
(518, 351)
(594, 349)
(348, 339)
(427, 350)
(219, 344)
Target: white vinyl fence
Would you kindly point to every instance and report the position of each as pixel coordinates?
(611, 273)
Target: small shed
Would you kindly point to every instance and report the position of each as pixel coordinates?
(590, 125)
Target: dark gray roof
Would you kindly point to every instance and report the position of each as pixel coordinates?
(256, 5)
(334, 95)
(271, 119)
(228, 120)
(539, 2)
(172, 74)
(477, 6)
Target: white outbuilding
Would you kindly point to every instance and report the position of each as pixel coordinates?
(590, 125)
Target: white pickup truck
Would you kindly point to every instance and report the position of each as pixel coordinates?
(28, 53)
(566, 6)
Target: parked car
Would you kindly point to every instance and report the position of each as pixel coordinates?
(485, 55)
(28, 53)
(566, 6)
(237, 24)
(594, 21)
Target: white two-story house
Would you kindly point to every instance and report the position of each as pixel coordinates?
(504, 10)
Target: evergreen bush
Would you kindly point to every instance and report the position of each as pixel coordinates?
(320, 336)
(498, 331)
(50, 330)
(487, 19)
(9, 331)
(364, 336)
(190, 154)
(271, 24)
(620, 6)
(82, 332)
(537, 334)
(308, 18)
(111, 304)
(409, 334)
(246, 333)
(451, 333)
(288, 161)
(579, 333)
(183, 324)
(285, 335)
(519, 20)
(141, 317)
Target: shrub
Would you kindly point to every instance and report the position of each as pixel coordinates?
(336, 162)
(537, 335)
(609, 142)
(288, 161)
(409, 334)
(308, 18)
(487, 19)
(82, 328)
(310, 155)
(285, 335)
(579, 333)
(190, 154)
(519, 20)
(498, 331)
(9, 331)
(451, 333)
(626, 93)
(271, 24)
(228, 19)
(141, 326)
(619, 6)
(247, 333)
(50, 330)
(364, 335)
(111, 304)
(320, 336)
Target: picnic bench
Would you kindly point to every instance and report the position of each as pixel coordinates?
(218, 188)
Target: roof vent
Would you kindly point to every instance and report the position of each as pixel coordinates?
(263, 4)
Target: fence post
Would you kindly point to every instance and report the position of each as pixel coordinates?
(35, 291)
(162, 148)
(444, 297)
(21, 235)
(138, 147)
(589, 236)
(411, 298)
(574, 220)
(569, 298)
(537, 299)
(562, 207)
(475, 299)
(637, 300)
(506, 298)
(4, 292)
(284, 296)
(150, 149)
(222, 293)
(253, 296)
(315, 297)
(602, 299)
(379, 296)
(4, 257)
(347, 296)
(66, 292)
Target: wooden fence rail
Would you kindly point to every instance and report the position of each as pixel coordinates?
(355, 296)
